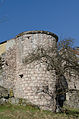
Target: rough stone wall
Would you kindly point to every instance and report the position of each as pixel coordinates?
(2, 72)
(9, 64)
(72, 79)
(9, 68)
(29, 81)
(32, 81)
(34, 75)
(72, 96)
(72, 99)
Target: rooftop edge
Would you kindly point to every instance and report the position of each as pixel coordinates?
(34, 32)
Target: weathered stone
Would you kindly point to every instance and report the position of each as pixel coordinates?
(3, 92)
(72, 99)
(25, 79)
(28, 78)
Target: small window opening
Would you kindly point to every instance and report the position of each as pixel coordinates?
(6, 63)
(74, 85)
(28, 37)
(21, 75)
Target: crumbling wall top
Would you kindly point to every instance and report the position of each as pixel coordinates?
(38, 32)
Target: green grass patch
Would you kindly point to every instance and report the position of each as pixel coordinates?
(9, 111)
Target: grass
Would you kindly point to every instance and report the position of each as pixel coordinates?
(29, 112)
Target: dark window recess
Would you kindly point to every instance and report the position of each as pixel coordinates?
(74, 85)
(28, 37)
(21, 75)
(6, 63)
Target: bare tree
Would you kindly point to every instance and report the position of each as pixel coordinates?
(59, 59)
(68, 56)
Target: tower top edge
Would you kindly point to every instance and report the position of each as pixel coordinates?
(38, 32)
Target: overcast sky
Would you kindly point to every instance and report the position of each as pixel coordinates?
(58, 16)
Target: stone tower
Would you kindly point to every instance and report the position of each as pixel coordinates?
(27, 76)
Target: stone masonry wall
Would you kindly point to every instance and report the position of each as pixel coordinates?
(29, 81)
(9, 66)
(34, 75)
(72, 96)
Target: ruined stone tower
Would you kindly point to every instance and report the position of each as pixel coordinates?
(28, 79)
(25, 71)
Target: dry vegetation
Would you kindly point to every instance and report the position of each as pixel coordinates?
(19, 112)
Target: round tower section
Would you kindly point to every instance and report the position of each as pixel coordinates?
(33, 81)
